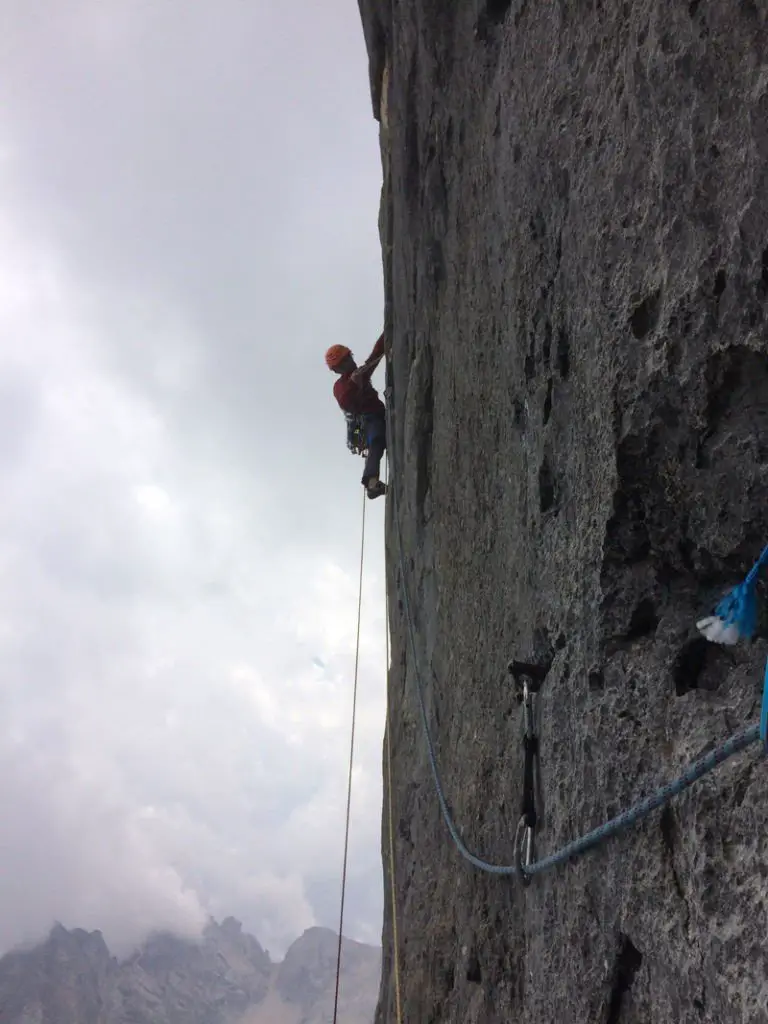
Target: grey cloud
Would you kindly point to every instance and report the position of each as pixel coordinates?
(19, 416)
(195, 196)
(70, 853)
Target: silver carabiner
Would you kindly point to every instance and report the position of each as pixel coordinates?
(523, 850)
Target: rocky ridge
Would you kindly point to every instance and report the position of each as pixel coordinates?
(226, 978)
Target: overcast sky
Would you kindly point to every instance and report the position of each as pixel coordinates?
(188, 218)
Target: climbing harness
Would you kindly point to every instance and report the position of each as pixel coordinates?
(738, 606)
(390, 815)
(351, 763)
(357, 441)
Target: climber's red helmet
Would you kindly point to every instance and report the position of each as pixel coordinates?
(336, 357)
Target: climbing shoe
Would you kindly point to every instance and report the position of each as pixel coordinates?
(377, 490)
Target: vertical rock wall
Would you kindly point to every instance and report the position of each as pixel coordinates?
(575, 235)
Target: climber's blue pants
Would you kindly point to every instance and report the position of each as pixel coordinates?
(376, 439)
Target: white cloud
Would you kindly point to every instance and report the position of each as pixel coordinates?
(72, 851)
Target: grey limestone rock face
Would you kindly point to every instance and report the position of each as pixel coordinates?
(574, 228)
(73, 970)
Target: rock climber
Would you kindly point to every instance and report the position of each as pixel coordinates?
(357, 397)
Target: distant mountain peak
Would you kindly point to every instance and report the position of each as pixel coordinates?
(225, 978)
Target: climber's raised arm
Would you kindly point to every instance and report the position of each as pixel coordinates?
(373, 360)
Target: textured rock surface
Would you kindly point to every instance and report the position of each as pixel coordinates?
(575, 233)
(225, 979)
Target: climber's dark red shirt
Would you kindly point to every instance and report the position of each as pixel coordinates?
(360, 397)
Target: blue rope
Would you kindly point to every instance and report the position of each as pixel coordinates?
(752, 574)
(692, 774)
(737, 743)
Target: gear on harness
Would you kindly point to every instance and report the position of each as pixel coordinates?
(357, 441)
